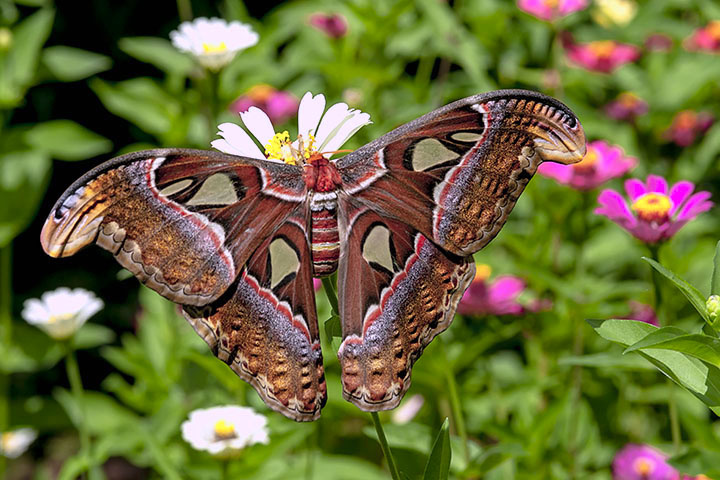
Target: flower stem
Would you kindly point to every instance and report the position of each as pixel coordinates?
(660, 311)
(76, 387)
(329, 287)
(6, 339)
(455, 404)
(384, 446)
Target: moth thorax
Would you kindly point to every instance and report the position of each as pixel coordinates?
(321, 175)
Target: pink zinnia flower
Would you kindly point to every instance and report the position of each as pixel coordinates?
(334, 25)
(551, 9)
(705, 39)
(601, 163)
(642, 313)
(278, 104)
(642, 462)
(655, 213)
(627, 106)
(687, 125)
(500, 297)
(600, 56)
(659, 42)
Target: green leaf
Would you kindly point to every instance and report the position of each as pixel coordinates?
(17, 70)
(333, 327)
(691, 293)
(159, 52)
(66, 140)
(69, 64)
(23, 176)
(715, 280)
(497, 454)
(438, 464)
(606, 360)
(140, 101)
(92, 335)
(699, 346)
(701, 379)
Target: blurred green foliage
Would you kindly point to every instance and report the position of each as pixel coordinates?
(541, 396)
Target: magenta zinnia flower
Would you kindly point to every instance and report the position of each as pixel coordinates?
(600, 56)
(655, 214)
(642, 313)
(658, 42)
(642, 462)
(687, 126)
(627, 106)
(334, 25)
(279, 105)
(601, 163)
(705, 39)
(551, 9)
(499, 297)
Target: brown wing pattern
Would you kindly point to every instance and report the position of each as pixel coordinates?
(265, 326)
(399, 291)
(456, 173)
(174, 217)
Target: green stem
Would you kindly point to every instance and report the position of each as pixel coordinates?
(329, 287)
(76, 387)
(184, 10)
(660, 312)
(6, 339)
(455, 404)
(384, 446)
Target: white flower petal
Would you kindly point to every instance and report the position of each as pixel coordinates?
(213, 42)
(332, 119)
(259, 124)
(236, 142)
(351, 124)
(62, 311)
(14, 443)
(309, 113)
(249, 428)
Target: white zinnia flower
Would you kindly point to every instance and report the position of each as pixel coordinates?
(338, 124)
(14, 443)
(224, 431)
(213, 42)
(407, 411)
(61, 312)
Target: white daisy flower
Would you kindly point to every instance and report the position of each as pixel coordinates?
(213, 42)
(224, 431)
(325, 136)
(407, 411)
(14, 443)
(61, 312)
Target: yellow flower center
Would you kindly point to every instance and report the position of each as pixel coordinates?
(643, 467)
(6, 441)
(685, 119)
(587, 164)
(482, 272)
(551, 3)
(713, 29)
(214, 48)
(261, 92)
(628, 99)
(60, 318)
(602, 48)
(224, 430)
(653, 207)
(280, 148)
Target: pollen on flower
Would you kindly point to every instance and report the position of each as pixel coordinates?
(217, 48)
(482, 272)
(643, 467)
(653, 207)
(280, 148)
(587, 164)
(602, 48)
(224, 430)
(308, 146)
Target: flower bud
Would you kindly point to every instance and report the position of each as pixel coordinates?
(6, 38)
(713, 307)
